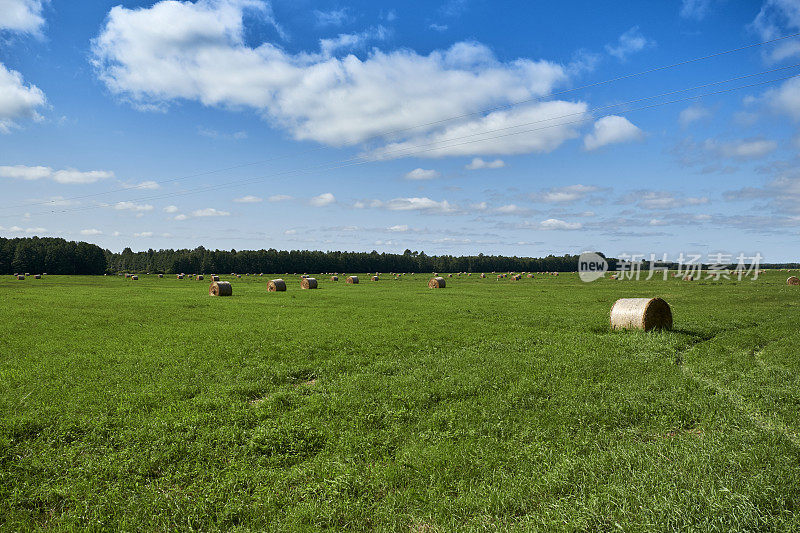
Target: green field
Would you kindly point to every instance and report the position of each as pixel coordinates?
(489, 405)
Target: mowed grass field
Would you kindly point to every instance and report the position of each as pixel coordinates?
(489, 405)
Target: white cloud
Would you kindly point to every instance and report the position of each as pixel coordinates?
(144, 234)
(612, 129)
(418, 204)
(351, 41)
(290, 232)
(630, 42)
(478, 163)
(786, 98)
(525, 129)
(209, 212)
(23, 16)
(279, 198)
(693, 113)
(510, 209)
(480, 206)
(180, 217)
(144, 185)
(742, 149)
(398, 228)
(695, 9)
(197, 51)
(568, 194)
(323, 199)
(249, 199)
(335, 17)
(438, 27)
(90, 232)
(171, 209)
(17, 100)
(131, 206)
(662, 200)
(214, 134)
(776, 19)
(68, 176)
(556, 224)
(422, 174)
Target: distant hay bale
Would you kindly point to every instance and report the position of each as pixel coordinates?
(516, 277)
(135, 278)
(641, 313)
(334, 278)
(199, 277)
(352, 280)
(793, 280)
(37, 276)
(220, 288)
(180, 276)
(214, 278)
(308, 283)
(374, 278)
(688, 278)
(483, 275)
(450, 275)
(437, 283)
(20, 277)
(161, 275)
(276, 285)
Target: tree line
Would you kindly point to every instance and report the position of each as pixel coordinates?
(58, 256)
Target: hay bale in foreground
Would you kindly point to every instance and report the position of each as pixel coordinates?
(641, 313)
(437, 283)
(353, 280)
(276, 285)
(793, 280)
(220, 288)
(334, 278)
(308, 283)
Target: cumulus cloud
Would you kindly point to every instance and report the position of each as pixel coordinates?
(181, 217)
(776, 19)
(612, 129)
(209, 212)
(21, 16)
(556, 224)
(132, 206)
(422, 174)
(17, 100)
(144, 185)
(478, 163)
(197, 51)
(351, 41)
(416, 204)
(91, 232)
(630, 42)
(335, 17)
(567, 194)
(400, 228)
(743, 149)
(695, 9)
(785, 99)
(171, 209)
(143, 234)
(68, 176)
(323, 199)
(249, 199)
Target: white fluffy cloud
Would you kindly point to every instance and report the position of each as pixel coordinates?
(279, 198)
(693, 113)
(197, 51)
(22, 16)
(742, 149)
(249, 199)
(630, 42)
(131, 206)
(422, 174)
(17, 100)
(209, 212)
(556, 224)
(67, 176)
(612, 129)
(786, 98)
(478, 163)
(171, 209)
(776, 19)
(416, 204)
(323, 199)
(91, 232)
(399, 228)
(568, 194)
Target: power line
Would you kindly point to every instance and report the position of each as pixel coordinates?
(432, 123)
(423, 148)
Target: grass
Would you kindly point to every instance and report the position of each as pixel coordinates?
(490, 405)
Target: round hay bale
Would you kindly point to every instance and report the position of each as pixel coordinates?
(352, 280)
(214, 278)
(334, 278)
(161, 275)
(437, 283)
(135, 278)
(483, 275)
(308, 283)
(793, 280)
(37, 276)
(20, 277)
(276, 285)
(199, 277)
(220, 288)
(688, 278)
(641, 313)
(374, 278)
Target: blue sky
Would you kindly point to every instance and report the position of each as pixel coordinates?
(457, 126)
